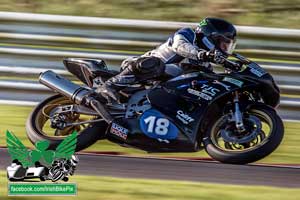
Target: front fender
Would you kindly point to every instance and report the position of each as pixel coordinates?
(259, 104)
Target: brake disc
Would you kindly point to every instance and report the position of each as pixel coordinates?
(231, 136)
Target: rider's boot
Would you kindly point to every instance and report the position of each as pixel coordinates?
(110, 88)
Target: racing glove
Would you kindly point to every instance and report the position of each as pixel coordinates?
(214, 56)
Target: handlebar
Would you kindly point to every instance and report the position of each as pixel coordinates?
(228, 64)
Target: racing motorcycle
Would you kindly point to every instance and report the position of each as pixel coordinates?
(232, 115)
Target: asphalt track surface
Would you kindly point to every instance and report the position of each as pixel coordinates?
(184, 170)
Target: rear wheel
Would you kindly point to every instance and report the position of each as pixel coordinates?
(263, 134)
(39, 128)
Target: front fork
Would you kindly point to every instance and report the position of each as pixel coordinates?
(238, 117)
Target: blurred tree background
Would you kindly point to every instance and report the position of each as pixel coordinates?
(273, 13)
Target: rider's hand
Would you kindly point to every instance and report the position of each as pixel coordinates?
(214, 56)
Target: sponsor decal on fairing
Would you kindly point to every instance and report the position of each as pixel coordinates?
(207, 92)
(119, 131)
(184, 118)
(233, 81)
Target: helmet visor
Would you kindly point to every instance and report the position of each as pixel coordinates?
(228, 47)
(225, 44)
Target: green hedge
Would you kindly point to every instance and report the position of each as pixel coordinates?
(277, 13)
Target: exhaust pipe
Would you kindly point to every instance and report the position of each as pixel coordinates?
(76, 93)
(63, 86)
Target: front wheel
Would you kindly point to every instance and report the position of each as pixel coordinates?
(263, 134)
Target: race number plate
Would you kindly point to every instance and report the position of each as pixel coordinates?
(155, 125)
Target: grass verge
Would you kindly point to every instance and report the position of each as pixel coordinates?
(121, 188)
(13, 118)
(242, 12)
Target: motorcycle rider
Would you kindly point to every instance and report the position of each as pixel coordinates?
(210, 42)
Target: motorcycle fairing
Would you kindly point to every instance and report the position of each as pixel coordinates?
(137, 139)
(267, 86)
(185, 101)
(178, 138)
(170, 104)
(192, 95)
(206, 88)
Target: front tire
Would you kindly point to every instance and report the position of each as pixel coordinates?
(225, 152)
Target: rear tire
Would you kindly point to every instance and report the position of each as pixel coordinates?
(85, 137)
(263, 149)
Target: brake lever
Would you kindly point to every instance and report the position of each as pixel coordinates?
(236, 66)
(233, 63)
